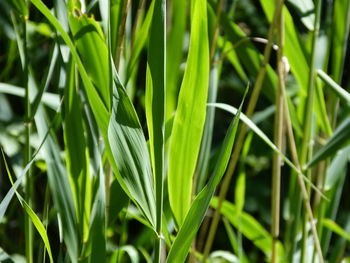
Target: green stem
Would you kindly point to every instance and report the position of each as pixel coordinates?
(305, 145)
(278, 137)
(239, 142)
(28, 227)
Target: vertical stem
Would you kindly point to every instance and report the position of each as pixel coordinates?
(300, 179)
(304, 153)
(217, 29)
(239, 142)
(278, 135)
(28, 227)
(121, 33)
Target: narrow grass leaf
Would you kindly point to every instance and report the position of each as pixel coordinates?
(195, 216)
(59, 186)
(338, 140)
(263, 136)
(190, 115)
(49, 99)
(34, 218)
(249, 56)
(330, 224)
(341, 93)
(249, 227)
(140, 41)
(337, 168)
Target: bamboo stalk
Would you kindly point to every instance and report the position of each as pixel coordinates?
(278, 138)
(239, 142)
(305, 145)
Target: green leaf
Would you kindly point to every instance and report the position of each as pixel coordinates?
(38, 225)
(306, 11)
(91, 45)
(340, 31)
(190, 115)
(140, 41)
(77, 154)
(195, 216)
(34, 218)
(336, 228)
(49, 99)
(249, 227)
(337, 168)
(175, 41)
(338, 140)
(263, 136)
(129, 150)
(341, 93)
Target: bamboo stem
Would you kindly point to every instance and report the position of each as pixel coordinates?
(278, 138)
(239, 142)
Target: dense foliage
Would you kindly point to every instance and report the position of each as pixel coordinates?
(173, 131)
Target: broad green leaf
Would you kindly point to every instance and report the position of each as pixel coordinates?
(195, 216)
(338, 140)
(249, 227)
(91, 45)
(190, 115)
(98, 107)
(101, 112)
(336, 228)
(77, 154)
(175, 41)
(129, 149)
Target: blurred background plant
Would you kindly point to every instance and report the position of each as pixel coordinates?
(117, 126)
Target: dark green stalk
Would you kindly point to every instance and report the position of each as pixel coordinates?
(278, 137)
(239, 142)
